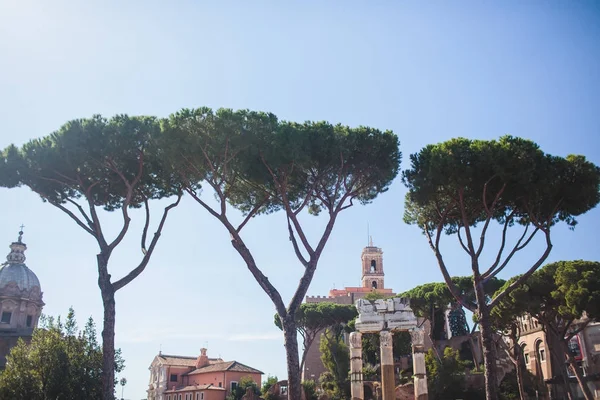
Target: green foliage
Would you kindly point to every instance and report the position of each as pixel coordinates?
(370, 373)
(559, 292)
(509, 389)
(435, 295)
(430, 301)
(578, 288)
(244, 383)
(310, 389)
(374, 295)
(239, 151)
(505, 314)
(335, 356)
(267, 384)
(445, 377)
(536, 186)
(94, 158)
(314, 317)
(402, 346)
(59, 363)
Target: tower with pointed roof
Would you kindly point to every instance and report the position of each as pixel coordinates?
(20, 299)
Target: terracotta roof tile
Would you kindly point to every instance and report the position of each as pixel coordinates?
(183, 361)
(225, 366)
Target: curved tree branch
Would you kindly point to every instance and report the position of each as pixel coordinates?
(138, 270)
(526, 275)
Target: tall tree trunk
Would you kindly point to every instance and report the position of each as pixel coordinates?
(587, 393)
(108, 329)
(556, 354)
(307, 344)
(473, 352)
(522, 393)
(518, 357)
(431, 336)
(291, 350)
(487, 340)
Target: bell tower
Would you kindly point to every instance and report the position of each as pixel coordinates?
(372, 266)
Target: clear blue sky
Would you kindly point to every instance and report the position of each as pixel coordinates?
(428, 71)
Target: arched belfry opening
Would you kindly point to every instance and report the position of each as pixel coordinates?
(372, 267)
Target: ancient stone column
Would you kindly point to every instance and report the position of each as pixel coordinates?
(356, 364)
(420, 377)
(388, 381)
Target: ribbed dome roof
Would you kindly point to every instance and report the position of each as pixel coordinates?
(20, 274)
(15, 270)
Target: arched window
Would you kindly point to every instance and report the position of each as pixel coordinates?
(525, 352)
(374, 285)
(373, 265)
(540, 350)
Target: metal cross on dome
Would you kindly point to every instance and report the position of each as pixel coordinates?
(21, 233)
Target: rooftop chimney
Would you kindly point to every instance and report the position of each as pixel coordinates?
(202, 360)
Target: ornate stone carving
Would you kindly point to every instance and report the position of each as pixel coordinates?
(417, 336)
(356, 340)
(385, 338)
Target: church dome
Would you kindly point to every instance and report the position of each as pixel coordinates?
(20, 274)
(16, 272)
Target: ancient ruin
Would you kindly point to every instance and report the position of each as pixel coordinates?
(386, 317)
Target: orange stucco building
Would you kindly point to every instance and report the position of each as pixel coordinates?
(196, 378)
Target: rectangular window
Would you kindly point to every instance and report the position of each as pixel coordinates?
(173, 377)
(6, 317)
(220, 384)
(542, 355)
(233, 386)
(202, 396)
(526, 356)
(29, 320)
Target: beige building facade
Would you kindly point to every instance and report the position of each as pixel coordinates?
(585, 347)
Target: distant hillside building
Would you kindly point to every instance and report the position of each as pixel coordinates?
(372, 281)
(20, 300)
(196, 378)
